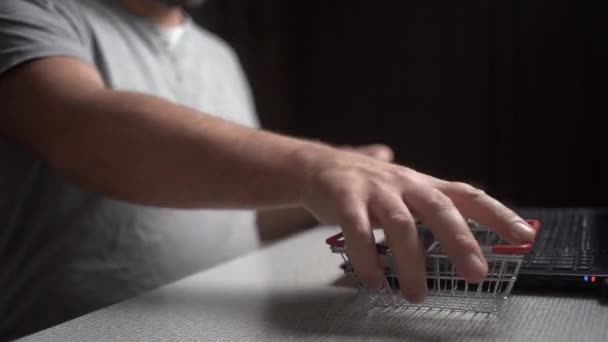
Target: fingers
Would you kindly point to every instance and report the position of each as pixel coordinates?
(451, 230)
(360, 242)
(404, 243)
(487, 211)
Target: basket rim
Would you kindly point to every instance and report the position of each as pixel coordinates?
(337, 241)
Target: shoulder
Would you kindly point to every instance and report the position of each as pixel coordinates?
(32, 6)
(32, 29)
(42, 13)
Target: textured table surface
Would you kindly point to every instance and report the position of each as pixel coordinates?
(291, 291)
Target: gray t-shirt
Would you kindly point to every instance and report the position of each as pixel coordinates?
(65, 251)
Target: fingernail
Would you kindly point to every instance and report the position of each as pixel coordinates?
(415, 298)
(523, 232)
(477, 267)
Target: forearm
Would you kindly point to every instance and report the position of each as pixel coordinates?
(148, 150)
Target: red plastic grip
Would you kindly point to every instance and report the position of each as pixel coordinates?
(517, 249)
(338, 241)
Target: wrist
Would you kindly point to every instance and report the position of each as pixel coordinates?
(308, 160)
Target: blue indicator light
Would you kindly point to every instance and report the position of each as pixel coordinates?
(586, 278)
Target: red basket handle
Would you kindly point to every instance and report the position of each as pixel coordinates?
(337, 240)
(517, 249)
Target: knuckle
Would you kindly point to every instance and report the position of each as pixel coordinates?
(409, 180)
(468, 190)
(383, 152)
(438, 202)
(400, 218)
(407, 173)
(381, 188)
(378, 185)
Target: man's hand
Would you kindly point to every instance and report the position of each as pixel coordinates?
(275, 224)
(357, 192)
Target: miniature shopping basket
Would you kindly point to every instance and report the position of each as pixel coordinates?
(446, 289)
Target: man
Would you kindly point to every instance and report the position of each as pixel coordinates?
(131, 157)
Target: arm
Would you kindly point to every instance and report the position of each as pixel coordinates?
(147, 150)
(142, 148)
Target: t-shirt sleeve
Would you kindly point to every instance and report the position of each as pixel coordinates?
(31, 29)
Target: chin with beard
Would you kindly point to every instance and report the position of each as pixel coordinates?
(184, 3)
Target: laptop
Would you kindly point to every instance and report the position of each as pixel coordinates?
(570, 251)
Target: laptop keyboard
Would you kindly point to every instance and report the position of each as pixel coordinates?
(564, 241)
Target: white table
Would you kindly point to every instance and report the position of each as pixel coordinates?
(291, 291)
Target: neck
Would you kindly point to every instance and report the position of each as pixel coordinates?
(156, 11)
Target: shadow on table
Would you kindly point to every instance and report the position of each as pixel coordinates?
(332, 313)
(347, 315)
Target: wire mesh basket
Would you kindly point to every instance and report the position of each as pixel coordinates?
(446, 288)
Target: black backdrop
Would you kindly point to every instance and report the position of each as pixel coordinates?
(504, 94)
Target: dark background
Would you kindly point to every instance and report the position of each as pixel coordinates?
(504, 94)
